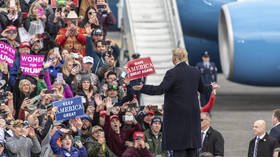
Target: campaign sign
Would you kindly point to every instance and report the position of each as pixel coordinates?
(31, 64)
(68, 108)
(7, 53)
(60, 3)
(139, 68)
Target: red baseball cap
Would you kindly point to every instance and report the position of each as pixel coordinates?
(138, 134)
(150, 113)
(102, 113)
(24, 44)
(114, 116)
(11, 28)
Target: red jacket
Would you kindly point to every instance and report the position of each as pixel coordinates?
(76, 43)
(133, 152)
(209, 105)
(116, 142)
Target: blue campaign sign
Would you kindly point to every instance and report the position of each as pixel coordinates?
(69, 108)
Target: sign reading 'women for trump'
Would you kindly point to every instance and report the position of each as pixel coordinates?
(68, 108)
(139, 68)
(7, 53)
(31, 64)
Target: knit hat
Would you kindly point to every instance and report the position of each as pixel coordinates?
(156, 119)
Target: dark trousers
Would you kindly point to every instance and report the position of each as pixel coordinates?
(186, 153)
(204, 99)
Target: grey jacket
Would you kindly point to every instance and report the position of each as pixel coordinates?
(23, 146)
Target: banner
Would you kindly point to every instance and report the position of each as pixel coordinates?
(31, 64)
(139, 68)
(7, 53)
(68, 108)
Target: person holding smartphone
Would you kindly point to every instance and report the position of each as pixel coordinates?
(67, 149)
(72, 37)
(105, 15)
(139, 148)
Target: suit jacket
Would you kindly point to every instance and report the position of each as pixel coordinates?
(275, 133)
(209, 74)
(266, 147)
(181, 119)
(213, 142)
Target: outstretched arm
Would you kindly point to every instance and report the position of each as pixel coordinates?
(164, 86)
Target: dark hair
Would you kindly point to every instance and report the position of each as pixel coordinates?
(86, 15)
(276, 114)
(100, 41)
(80, 86)
(111, 73)
(64, 135)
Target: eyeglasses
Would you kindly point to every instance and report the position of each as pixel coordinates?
(92, 13)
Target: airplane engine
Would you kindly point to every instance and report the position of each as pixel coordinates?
(249, 42)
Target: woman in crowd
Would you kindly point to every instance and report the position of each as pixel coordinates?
(87, 90)
(90, 19)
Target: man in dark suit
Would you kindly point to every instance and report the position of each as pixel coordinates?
(208, 72)
(262, 145)
(212, 140)
(181, 119)
(275, 131)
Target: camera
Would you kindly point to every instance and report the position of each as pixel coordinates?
(132, 105)
(3, 97)
(59, 9)
(49, 91)
(107, 42)
(128, 118)
(101, 8)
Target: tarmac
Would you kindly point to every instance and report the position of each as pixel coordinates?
(237, 107)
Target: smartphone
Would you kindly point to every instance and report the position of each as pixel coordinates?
(42, 111)
(59, 77)
(56, 50)
(77, 138)
(40, 11)
(154, 108)
(123, 74)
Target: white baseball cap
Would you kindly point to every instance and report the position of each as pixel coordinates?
(88, 59)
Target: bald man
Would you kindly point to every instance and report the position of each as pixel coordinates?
(181, 119)
(262, 145)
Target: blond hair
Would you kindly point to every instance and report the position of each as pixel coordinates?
(65, 65)
(24, 81)
(180, 54)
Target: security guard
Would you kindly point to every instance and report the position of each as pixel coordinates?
(209, 74)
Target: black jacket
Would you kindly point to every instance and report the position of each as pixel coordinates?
(213, 142)
(266, 147)
(275, 133)
(181, 119)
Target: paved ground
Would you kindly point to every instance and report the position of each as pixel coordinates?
(237, 107)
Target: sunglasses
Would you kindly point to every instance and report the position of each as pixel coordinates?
(11, 32)
(92, 13)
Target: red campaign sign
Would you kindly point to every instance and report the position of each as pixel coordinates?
(139, 68)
